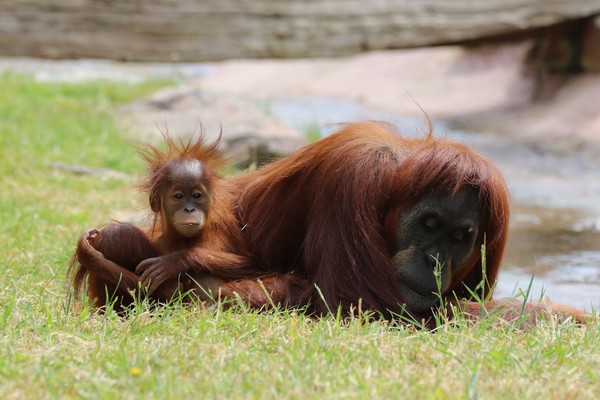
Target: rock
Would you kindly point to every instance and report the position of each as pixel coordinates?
(249, 135)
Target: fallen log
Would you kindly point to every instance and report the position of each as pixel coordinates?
(191, 30)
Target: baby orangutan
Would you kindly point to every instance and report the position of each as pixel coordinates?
(180, 186)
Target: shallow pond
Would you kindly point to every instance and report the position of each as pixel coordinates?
(554, 244)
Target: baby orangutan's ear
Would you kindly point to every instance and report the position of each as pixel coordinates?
(154, 201)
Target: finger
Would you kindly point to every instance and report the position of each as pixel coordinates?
(144, 265)
(93, 232)
(86, 251)
(148, 275)
(141, 268)
(83, 242)
(93, 236)
(153, 286)
(90, 234)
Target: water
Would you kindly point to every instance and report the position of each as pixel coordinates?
(554, 245)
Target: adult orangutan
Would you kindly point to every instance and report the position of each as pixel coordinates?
(361, 216)
(180, 187)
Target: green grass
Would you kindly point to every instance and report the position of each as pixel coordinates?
(51, 349)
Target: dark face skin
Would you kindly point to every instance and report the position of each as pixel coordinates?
(185, 201)
(441, 229)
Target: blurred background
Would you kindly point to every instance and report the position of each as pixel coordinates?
(518, 80)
